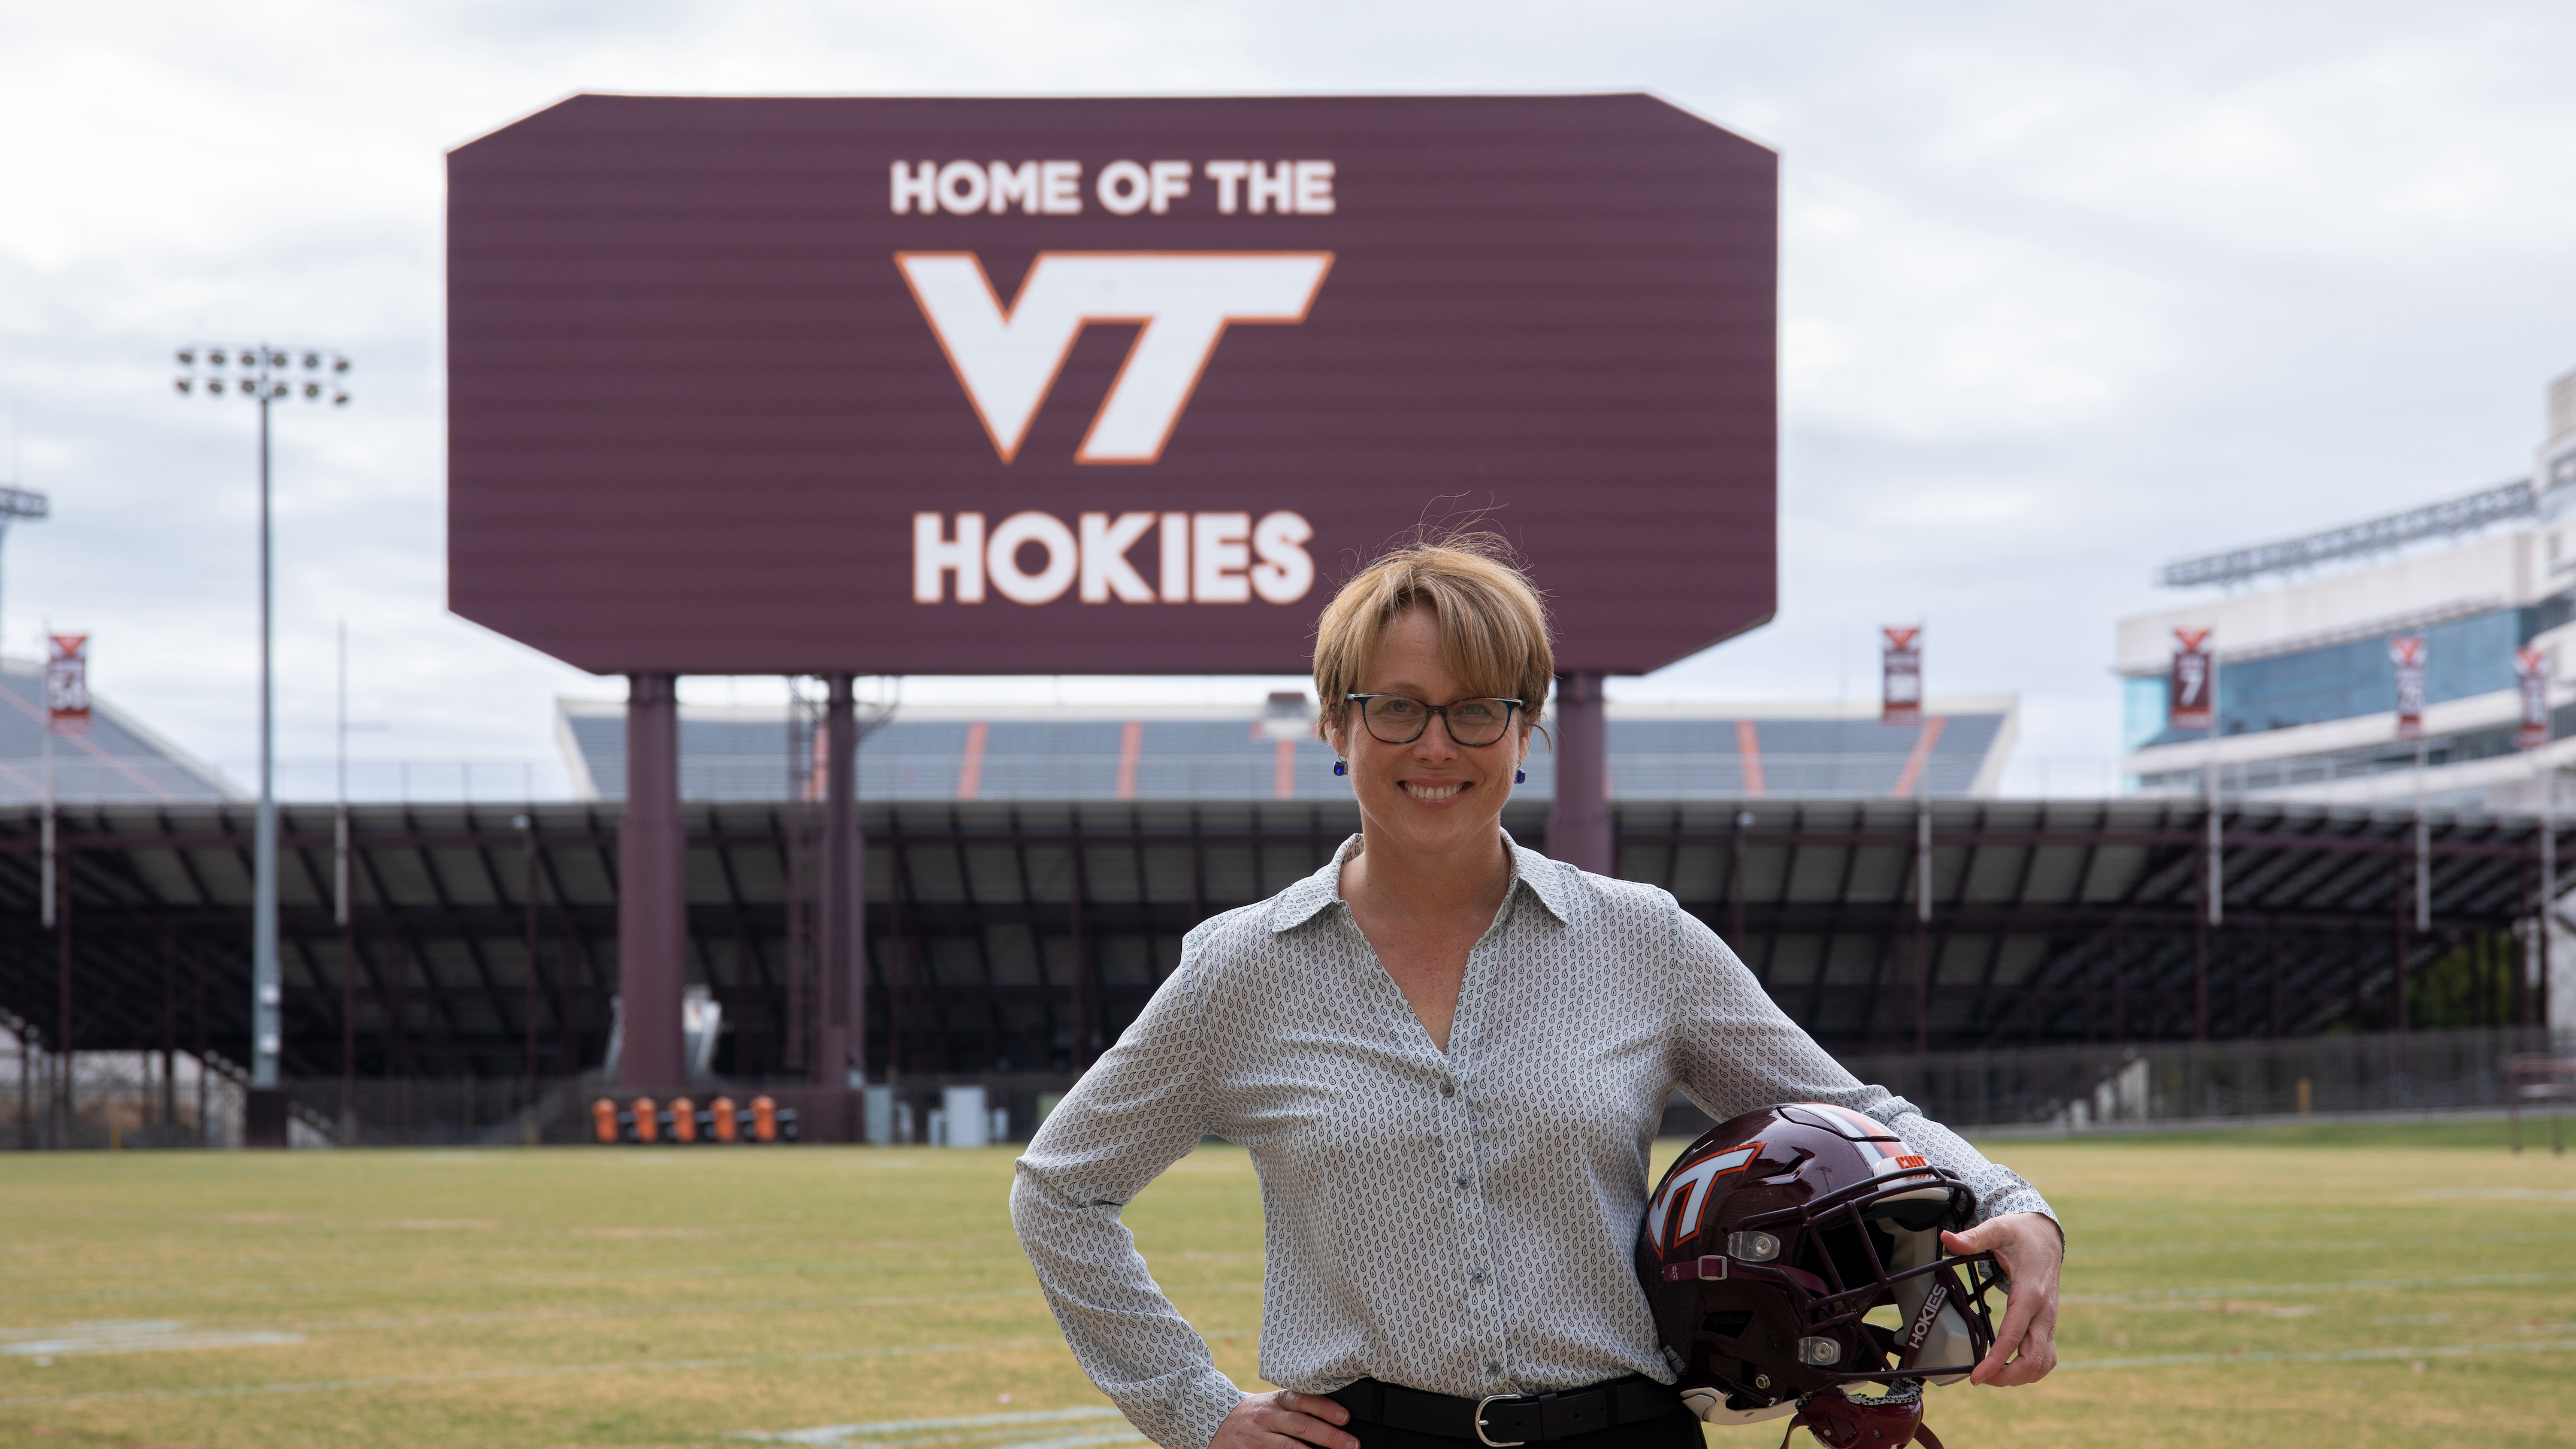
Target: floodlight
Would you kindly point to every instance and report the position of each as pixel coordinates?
(262, 379)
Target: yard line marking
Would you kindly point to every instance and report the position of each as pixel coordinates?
(971, 1421)
(873, 1436)
(649, 1310)
(523, 1280)
(2348, 1355)
(2274, 1245)
(144, 1336)
(1077, 1440)
(2351, 1285)
(818, 1440)
(323, 1386)
(2527, 1194)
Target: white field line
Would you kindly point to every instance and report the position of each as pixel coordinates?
(657, 1310)
(2348, 1355)
(155, 1340)
(672, 1365)
(522, 1280)
(816, 1439)
(1078, 1440)
(978, 1428)
(2311, 1244)
(295, 1332)
(2525, 1194)
(906, 1426)
(2351, 1285)
(654, 1310)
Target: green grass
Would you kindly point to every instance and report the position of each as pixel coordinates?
(675, 1296)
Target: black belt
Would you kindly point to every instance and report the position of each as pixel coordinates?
(1503, 1420)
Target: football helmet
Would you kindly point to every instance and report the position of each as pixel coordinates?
(1768, 1243)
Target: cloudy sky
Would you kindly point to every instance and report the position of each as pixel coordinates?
(2068, 290)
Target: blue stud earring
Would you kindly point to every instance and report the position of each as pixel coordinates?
(1341, 767)
(1520, 777)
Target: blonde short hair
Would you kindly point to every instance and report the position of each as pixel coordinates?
(1493, 625)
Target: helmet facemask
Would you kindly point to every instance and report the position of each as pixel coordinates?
(1879, 1244)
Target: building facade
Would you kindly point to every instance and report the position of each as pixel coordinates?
(2307, 685)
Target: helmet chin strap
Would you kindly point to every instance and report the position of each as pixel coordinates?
(1840, 1422)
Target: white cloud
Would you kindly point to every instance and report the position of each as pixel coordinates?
(2065, 292)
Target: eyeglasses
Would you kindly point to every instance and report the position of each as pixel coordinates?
(1399, 719)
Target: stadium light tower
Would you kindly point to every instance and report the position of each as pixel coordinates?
(265, 374)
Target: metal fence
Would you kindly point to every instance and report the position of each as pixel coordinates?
(117, 1099)
(135, 1100)
(2117, 1088)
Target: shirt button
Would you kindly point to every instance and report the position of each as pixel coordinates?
(1493, 1368)
(1477, 1276)
(1448, 1089)
(1462, 1182)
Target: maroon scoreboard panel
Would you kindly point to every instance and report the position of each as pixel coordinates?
(808, 385)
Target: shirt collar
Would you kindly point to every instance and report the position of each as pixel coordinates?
(1302, 902)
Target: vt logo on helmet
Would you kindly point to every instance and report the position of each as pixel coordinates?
(1767, 1244)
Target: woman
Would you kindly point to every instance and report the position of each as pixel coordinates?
(1448, 1057)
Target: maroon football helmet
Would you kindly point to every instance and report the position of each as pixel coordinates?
(1768, 1243)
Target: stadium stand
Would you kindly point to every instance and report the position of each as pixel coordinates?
(117, 760)
(1657, 752)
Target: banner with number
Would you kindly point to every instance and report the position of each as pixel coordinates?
(2531, 671)
(2406, 651)
(67, 684)
(1901, 677)
(2189, 701)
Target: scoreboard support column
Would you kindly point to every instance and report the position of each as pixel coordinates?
(652, 889)
(843, 1058)
(1578, 824)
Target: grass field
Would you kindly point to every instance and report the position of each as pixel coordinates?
(2345, 1286)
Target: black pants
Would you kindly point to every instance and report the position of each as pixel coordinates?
(1676, 1430)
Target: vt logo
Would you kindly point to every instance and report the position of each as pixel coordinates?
(1007, 359)
(1688, 1191)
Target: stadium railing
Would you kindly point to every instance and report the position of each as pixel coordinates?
(2129, 1086)
(128, 1100)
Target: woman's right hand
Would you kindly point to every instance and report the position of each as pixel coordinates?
(1282, 1419)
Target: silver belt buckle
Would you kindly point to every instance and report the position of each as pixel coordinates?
(1482, 1437)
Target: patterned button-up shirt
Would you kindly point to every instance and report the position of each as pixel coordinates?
(1458, 1222)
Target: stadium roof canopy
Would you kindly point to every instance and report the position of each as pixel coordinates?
(1656, 752)
(1018, 938)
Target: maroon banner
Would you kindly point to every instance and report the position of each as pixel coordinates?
(2406, 652)
(2190, 702)
(1900, 694)
(2531, 672)
(67, 684)
(779, 385)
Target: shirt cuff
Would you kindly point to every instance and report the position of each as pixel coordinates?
(1187, 1415)
(2023, 1199)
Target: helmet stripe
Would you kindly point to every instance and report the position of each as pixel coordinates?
(1868, 1127)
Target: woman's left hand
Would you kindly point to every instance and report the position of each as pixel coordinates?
(2031, 1250)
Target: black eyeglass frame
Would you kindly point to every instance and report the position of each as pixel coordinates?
(1511, 706)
